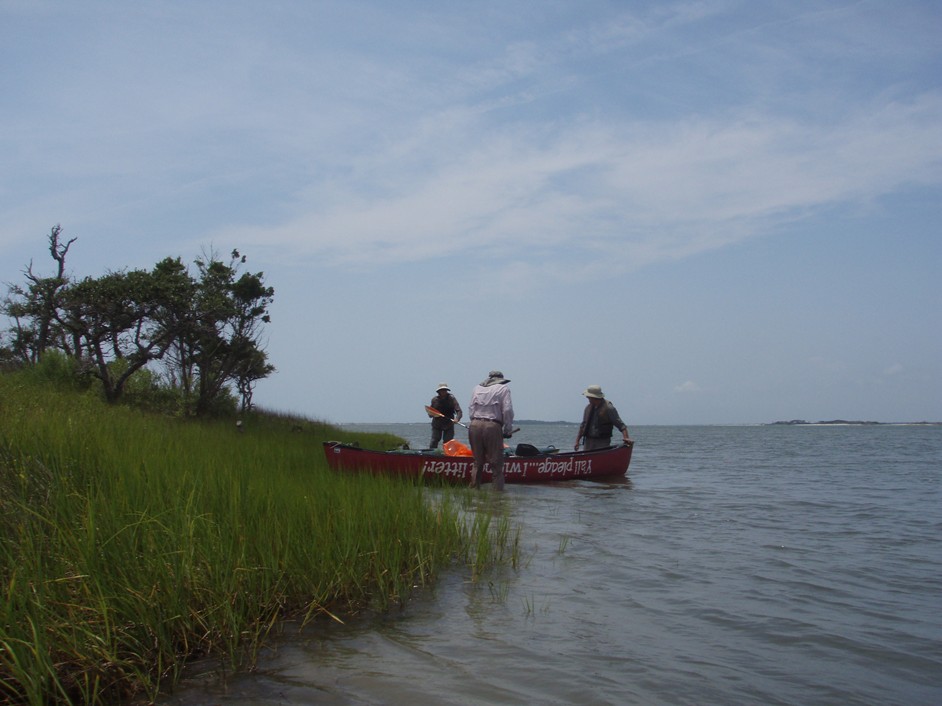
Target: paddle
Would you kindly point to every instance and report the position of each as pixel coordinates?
(436, 413)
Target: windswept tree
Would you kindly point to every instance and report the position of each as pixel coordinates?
(121, 316)
(220, 343)
(206, 331)
(33, 308)
(251, 369)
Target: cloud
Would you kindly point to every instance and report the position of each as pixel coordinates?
(387, 138)
(630, 193)
(895, 369)
(687, 387)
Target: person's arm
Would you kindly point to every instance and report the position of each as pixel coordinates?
(619, 424)
(507, 412)
(457, 408)
(581, 432)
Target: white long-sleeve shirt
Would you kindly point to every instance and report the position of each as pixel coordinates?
(493, 402)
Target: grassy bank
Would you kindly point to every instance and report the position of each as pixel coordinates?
(130, 542)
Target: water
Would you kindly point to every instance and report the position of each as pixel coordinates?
(738, 565)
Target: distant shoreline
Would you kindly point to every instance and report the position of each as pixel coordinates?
(844, 422)
(792, 422)
(540, 421)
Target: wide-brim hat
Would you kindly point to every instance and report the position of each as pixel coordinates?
(594, 391)
(495, 377)
(442, 386)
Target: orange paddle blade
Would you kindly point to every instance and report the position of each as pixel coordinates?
(432, 412)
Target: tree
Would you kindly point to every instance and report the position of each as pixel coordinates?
(33, 308)
(219, 343)
(116, 318)
(206, 332)
(254, 367)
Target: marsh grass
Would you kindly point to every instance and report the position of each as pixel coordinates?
(130, 543)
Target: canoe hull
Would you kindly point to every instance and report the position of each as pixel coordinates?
(542, 468)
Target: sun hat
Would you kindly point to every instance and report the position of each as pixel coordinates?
(594, 391)
(442, 386)
(495, 377)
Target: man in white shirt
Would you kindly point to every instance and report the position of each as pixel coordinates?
(492, 417)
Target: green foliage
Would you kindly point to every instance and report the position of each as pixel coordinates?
(204, 332)
(32, 308)
(8, 358)
(57, 368)
(115, 317)
(221, 344)
(147, 390)
(130, 542)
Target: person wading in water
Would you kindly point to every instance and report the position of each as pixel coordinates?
(598, 420)
(443, 428)
(492, 417)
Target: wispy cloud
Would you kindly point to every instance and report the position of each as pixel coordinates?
(687, 387)
(631, 192)
(468, 136)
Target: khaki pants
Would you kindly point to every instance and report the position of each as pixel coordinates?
(487, 445)
(591, 443)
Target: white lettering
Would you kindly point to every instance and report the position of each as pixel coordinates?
(454, 469)
(548, 467)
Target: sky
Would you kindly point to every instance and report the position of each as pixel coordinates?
(721, 211)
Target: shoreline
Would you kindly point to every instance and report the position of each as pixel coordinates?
(847, 423)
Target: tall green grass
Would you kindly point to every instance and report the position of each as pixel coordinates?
(131, 542)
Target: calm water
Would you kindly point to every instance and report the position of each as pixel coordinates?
(739, 565)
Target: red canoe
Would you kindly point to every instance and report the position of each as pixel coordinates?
(539, 468)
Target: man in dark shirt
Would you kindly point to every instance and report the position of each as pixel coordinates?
(598, 420)
(443, 428)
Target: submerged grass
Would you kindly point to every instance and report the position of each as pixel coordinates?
(130, 543)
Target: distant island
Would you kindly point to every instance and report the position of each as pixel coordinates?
(799, 422)
(540, 421)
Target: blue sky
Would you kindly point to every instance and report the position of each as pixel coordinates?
(719, 211)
